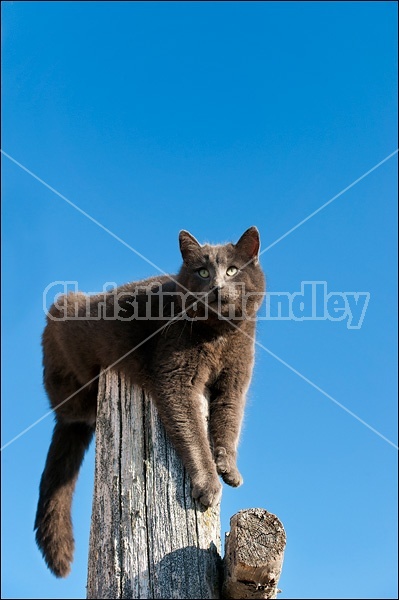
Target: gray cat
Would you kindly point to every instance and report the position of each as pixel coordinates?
(179, 337)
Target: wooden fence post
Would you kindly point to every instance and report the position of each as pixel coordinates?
(148, 538)
(254, 552)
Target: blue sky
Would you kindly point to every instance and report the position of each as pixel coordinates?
(212, 117)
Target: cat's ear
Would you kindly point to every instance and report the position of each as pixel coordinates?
(190, 248)
(249, 243)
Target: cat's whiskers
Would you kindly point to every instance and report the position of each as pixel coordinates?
(171, 321)
(184, 326)
(191, 329)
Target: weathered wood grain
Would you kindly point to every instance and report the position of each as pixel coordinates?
(254, 552)
(148, 538)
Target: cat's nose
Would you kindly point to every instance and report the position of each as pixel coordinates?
(216, 290)
(214, 294)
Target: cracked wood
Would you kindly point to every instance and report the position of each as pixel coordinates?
(148, 538)
(254, 552)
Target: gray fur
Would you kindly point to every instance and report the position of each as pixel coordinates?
(176, 361)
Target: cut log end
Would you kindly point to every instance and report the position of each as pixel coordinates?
(254, 552)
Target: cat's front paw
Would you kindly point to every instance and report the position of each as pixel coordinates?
(207, 491)
(226, 467)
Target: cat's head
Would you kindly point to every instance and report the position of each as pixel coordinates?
(228, 277)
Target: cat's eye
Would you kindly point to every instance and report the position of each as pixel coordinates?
(231, 271)
(204, 273)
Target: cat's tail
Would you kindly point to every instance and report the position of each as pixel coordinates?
(53, 523)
